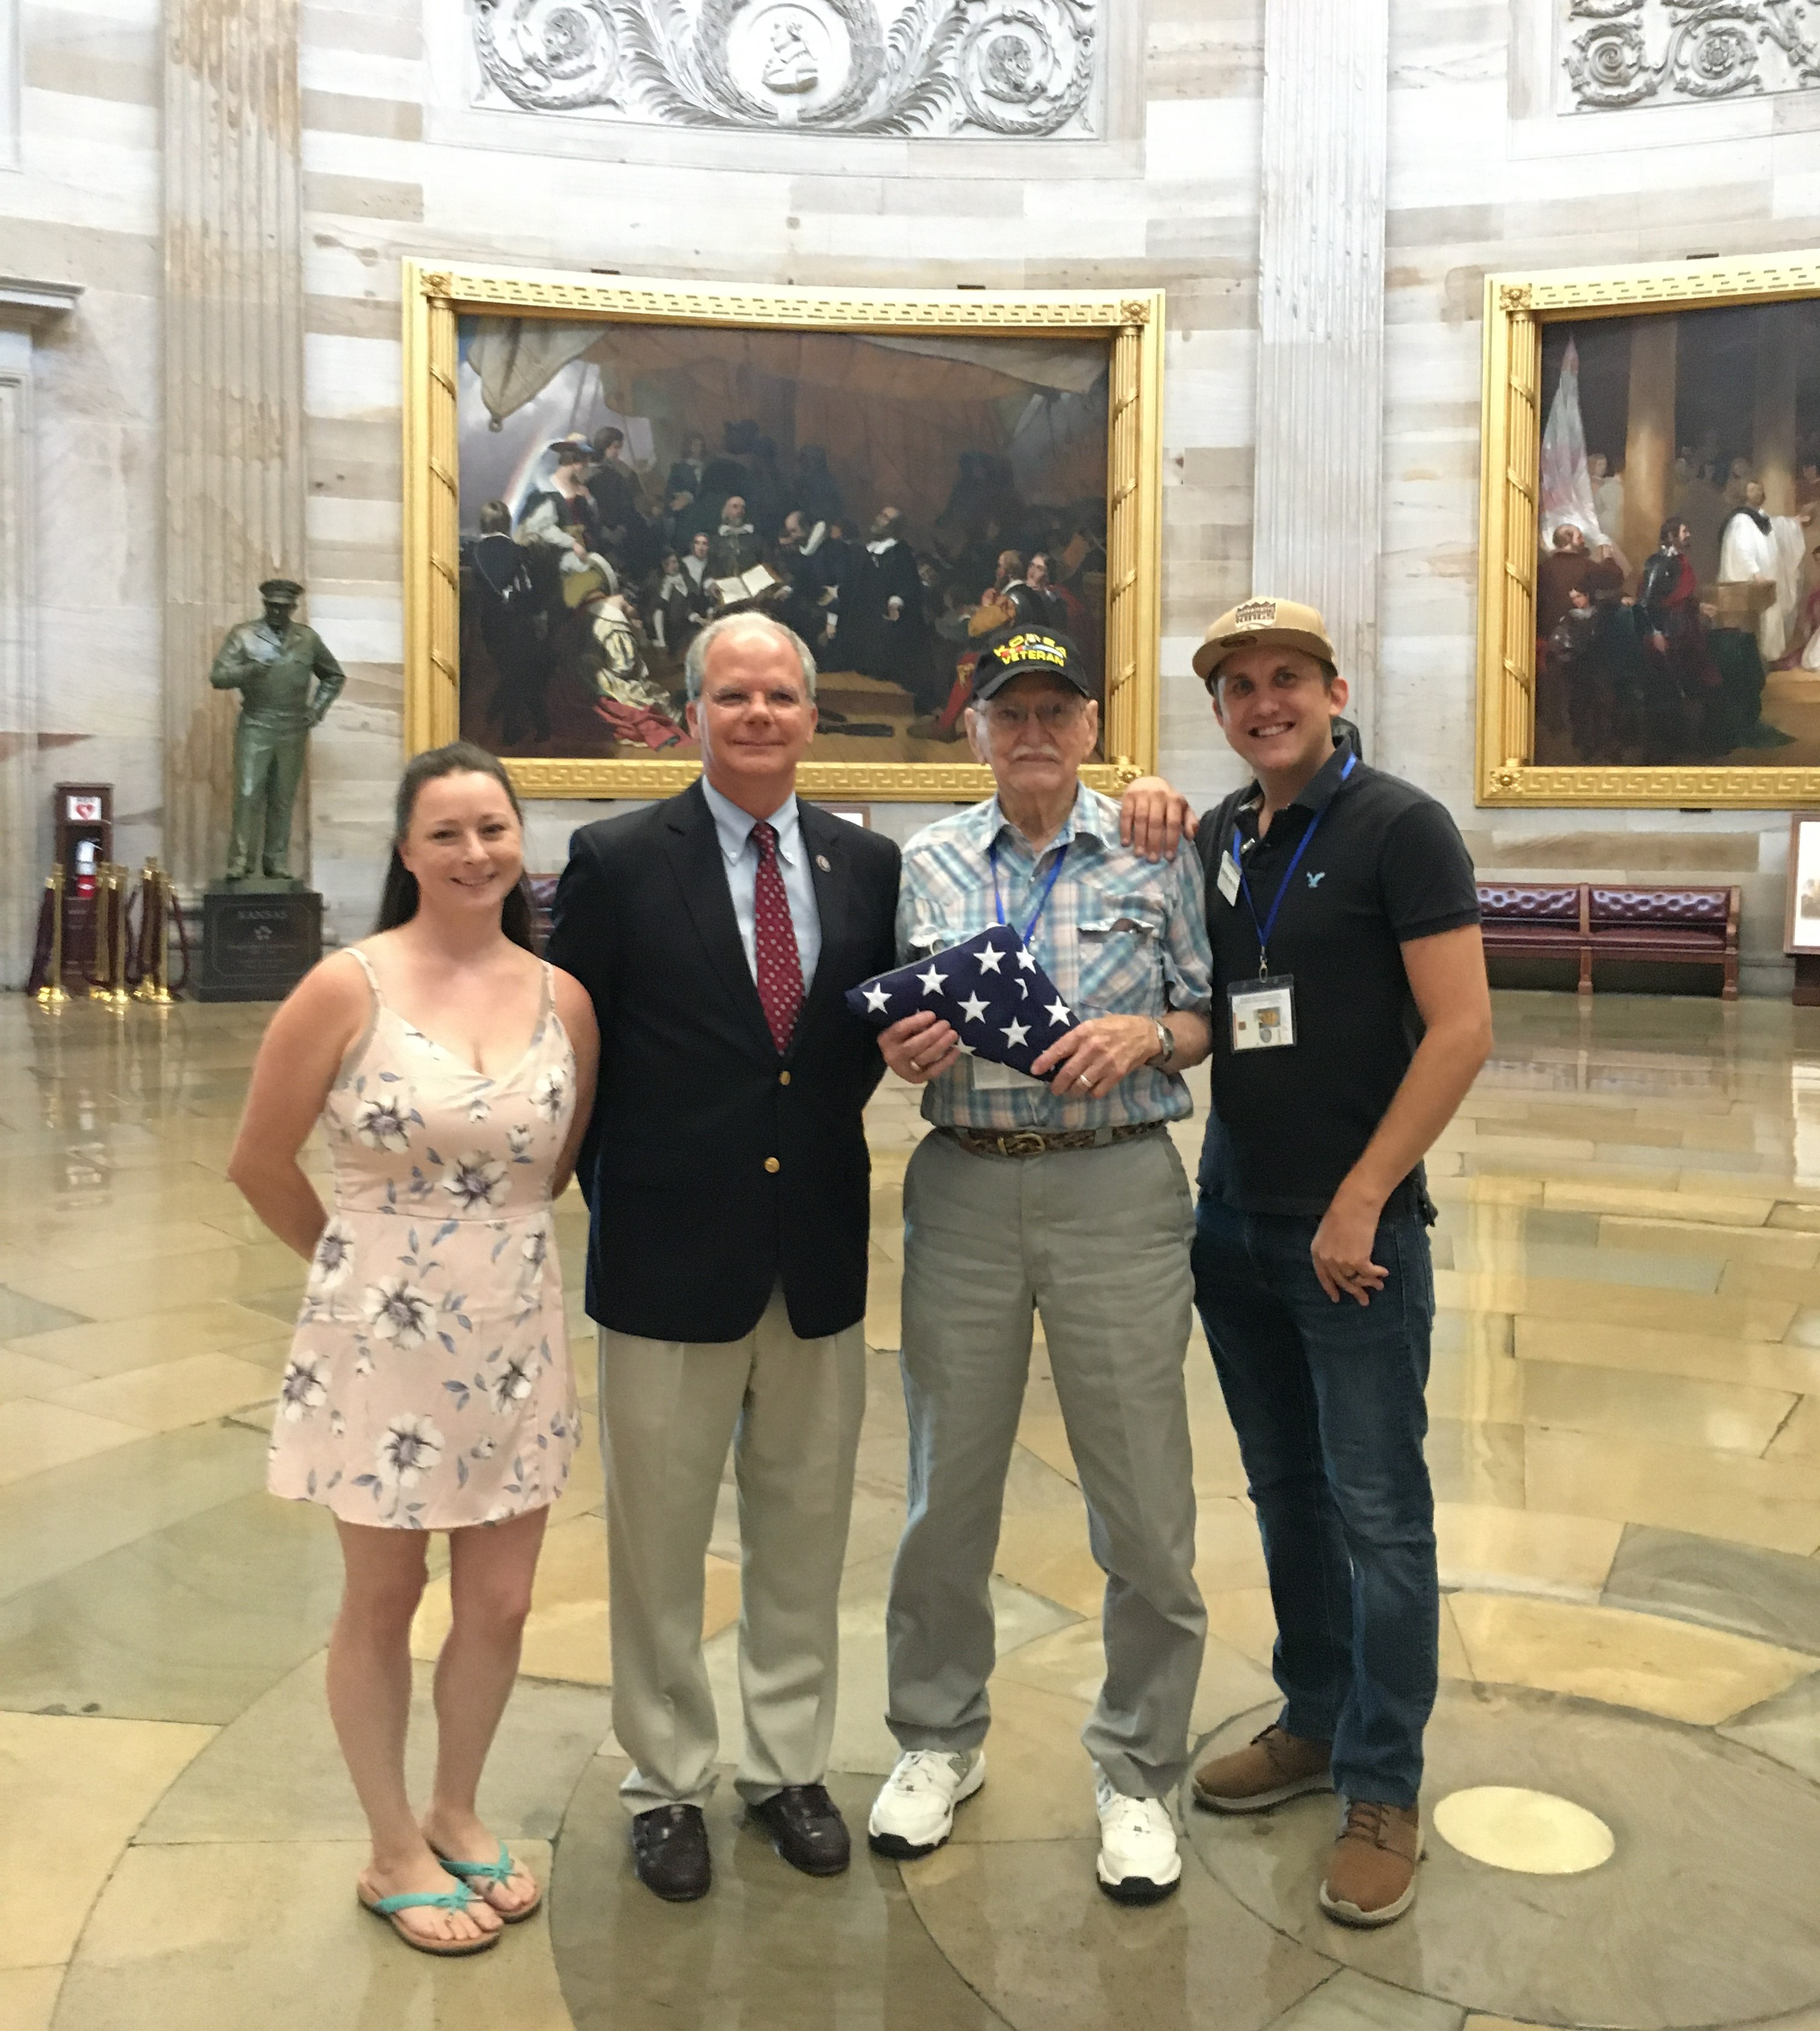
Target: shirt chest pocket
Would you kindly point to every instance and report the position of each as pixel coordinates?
(1137, 921)
(1118, 944)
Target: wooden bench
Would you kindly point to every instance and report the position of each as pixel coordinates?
(1588, 920)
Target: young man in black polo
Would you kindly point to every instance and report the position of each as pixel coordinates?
(1344, 918)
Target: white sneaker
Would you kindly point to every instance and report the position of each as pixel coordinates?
(1138, 1861)
(913, 1814)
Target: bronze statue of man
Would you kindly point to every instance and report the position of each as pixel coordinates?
(287, 680)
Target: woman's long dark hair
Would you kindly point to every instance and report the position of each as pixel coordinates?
(398, 900)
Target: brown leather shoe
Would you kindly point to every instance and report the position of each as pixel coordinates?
(1371, 1873)
(1274, 1766)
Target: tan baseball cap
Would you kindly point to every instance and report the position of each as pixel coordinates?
(1262, 622)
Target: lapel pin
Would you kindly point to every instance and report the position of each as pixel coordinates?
(822, 862)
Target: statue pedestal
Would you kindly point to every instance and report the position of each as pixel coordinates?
(260, 938)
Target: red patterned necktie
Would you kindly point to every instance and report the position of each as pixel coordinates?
(779, 963)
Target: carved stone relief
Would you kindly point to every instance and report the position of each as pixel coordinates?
(986, 69)
(1624, 53)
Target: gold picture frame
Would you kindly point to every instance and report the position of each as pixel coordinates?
(436, 296)
(1519, 308)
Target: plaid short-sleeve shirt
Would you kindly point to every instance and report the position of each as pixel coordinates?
(1119, 936)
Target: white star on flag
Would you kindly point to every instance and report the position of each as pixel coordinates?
(1027, 961)
(996, 1006)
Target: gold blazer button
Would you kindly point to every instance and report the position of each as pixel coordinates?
(771, 1163)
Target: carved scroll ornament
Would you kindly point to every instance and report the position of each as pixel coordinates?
(1005, 68)
(1625, 53)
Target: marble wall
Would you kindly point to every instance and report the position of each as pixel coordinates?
(79, 200)
(1563, 190)
(1485, 170)
(397, 162)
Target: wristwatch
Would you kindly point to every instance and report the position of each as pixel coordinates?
(1165, 1056)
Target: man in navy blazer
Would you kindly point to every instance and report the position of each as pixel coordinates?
(728, 1181)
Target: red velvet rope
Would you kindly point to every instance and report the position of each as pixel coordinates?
(40, 973)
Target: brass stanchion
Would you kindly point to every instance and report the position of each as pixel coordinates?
(50, 991)
(107, 983)
(155, 901)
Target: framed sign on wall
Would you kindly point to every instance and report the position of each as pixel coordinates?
(1649, 583)
(596, 470)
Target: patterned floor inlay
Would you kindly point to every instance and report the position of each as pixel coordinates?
(1532, 1832)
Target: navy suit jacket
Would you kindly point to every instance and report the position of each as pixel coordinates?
(689, 1231)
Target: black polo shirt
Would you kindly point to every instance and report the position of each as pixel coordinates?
(1387, 864)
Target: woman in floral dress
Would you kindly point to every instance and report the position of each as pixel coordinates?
(429, 1386)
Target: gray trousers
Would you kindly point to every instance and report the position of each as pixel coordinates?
(1096, 1241)
(791, 1409)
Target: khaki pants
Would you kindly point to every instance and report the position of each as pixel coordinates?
(791, 1409)
(1098, 1241)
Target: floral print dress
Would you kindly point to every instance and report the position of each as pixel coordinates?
(429, 1385)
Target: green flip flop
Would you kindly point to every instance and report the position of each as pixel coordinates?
(501, 1870)
(458, 1899)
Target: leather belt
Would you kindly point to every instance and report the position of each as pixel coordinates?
(1046, 1142)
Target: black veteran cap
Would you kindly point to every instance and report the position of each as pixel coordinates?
(1018, 652)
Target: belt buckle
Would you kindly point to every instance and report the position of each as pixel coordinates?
(1025, 1143)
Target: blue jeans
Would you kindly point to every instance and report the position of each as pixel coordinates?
(1327, 1402)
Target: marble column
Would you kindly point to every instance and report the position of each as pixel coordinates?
(234, 379)
(1317, 506)
(24, 306)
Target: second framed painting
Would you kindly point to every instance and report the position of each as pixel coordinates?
(1650, 565)
(596, 469)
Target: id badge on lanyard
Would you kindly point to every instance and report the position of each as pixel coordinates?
(1262, 1011)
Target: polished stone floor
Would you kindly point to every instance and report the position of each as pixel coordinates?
(1626, 1448)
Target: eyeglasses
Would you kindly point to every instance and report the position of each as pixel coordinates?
(1052, 715)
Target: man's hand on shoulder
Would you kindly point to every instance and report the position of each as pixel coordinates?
(1153, 819)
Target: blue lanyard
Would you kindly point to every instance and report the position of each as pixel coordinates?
(1269, 922)
(1042, 901)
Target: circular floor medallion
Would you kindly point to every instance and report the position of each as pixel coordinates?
(1532, 1831)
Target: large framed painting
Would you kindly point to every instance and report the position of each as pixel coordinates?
(595, 469)
(1649, 533)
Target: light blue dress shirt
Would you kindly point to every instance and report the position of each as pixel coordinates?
(734, 830)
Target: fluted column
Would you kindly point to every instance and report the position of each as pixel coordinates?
(1321, 320)
(234, 378)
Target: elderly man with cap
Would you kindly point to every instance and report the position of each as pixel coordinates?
(287, 680)
(1060, 1194)
(1344, 918)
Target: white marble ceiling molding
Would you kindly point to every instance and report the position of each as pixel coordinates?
(984, 69)
(1627, 53)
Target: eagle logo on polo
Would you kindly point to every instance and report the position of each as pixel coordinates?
(988, 988)
(1315, 881)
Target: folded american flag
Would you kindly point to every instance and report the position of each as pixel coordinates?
(1000, 1002)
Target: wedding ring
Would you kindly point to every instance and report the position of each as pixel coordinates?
(1083, 1080)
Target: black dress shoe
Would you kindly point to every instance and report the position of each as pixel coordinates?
(670, 1850)
(806, 1829)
